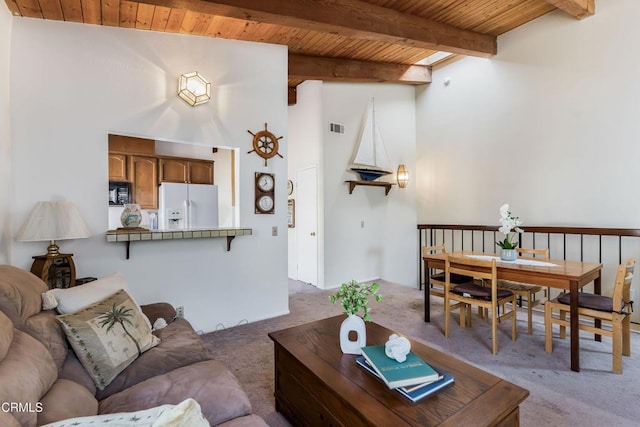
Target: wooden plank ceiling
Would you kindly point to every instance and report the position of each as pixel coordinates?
(344, 40)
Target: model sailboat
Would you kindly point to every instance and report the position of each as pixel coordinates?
(370, 160)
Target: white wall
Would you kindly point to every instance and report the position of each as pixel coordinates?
(550, 125)
(305, 127)
(5, 146)
(386, 246)
(77, 83)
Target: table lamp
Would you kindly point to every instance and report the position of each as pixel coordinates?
(54, 221)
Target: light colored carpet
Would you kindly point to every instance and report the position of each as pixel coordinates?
(558, 396)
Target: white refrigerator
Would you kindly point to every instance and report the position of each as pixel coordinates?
(186, 206)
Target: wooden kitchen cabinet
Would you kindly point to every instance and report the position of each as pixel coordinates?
(174, 170)
(186, 170)
(201, 172)
(144, 181)
(117, 167)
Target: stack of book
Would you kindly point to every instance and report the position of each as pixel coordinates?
(414, 378)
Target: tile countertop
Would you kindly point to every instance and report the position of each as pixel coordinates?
(139, 234)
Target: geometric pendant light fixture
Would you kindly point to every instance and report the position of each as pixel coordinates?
(194, 89)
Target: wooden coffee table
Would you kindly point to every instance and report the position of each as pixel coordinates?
(317, 385)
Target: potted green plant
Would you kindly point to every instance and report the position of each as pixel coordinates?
(354, 297)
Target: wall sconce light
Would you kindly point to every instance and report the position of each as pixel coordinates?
(402, 176)
(194, 89)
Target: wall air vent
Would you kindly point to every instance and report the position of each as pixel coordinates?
(336, 128)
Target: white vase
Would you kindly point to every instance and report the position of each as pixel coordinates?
(131, 216)
(508, 254)
(356, 324)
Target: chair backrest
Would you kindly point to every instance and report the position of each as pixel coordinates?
(622, 287)
(426, 250)
(476, 268)
(534, 252)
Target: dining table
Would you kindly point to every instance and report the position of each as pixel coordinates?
(566, 275)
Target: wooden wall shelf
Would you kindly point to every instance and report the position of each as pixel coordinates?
(386, 185)
(143, 235)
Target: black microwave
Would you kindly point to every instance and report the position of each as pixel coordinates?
(119, 193)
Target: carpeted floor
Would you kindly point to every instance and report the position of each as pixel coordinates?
(558, 396)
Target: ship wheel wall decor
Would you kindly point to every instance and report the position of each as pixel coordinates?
(265, 144)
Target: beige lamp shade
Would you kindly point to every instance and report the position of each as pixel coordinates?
(53, 221)
(402, 176)
(194, 89)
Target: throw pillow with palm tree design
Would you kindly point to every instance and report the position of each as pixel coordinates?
(108, 336)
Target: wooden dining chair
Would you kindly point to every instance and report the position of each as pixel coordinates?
(485, 297)
(616, 310)
(437, 279)
(526, 290)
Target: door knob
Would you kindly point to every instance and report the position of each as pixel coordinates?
(313, 233)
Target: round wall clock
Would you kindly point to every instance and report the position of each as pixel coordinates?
(265, 182)
(265, 144)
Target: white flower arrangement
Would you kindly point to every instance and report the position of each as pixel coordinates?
(510, 225)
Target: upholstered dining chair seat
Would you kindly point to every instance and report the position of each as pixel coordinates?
(592, 301)
(614, 311)
(456, 279)
(477, 291)
(487, 298)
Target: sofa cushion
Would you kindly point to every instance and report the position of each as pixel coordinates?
(27, 371)
(179, 346)
(8, 420)
(108, 336)
(66, 399)
(210, 383)
(185, 414)
(70, 300)
(20, 294)
(73, 370)
(6, 335)
(45, 328)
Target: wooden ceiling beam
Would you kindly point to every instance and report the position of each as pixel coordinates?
(576, 8)
(351, 18)
(336, 69)
(292, 95)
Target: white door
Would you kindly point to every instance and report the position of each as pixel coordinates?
(306, 193)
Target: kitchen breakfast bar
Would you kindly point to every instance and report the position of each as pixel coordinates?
(128, 235)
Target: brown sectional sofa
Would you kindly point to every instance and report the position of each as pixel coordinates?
(41, 379)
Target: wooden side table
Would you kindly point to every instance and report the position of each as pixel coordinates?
(58, 271)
